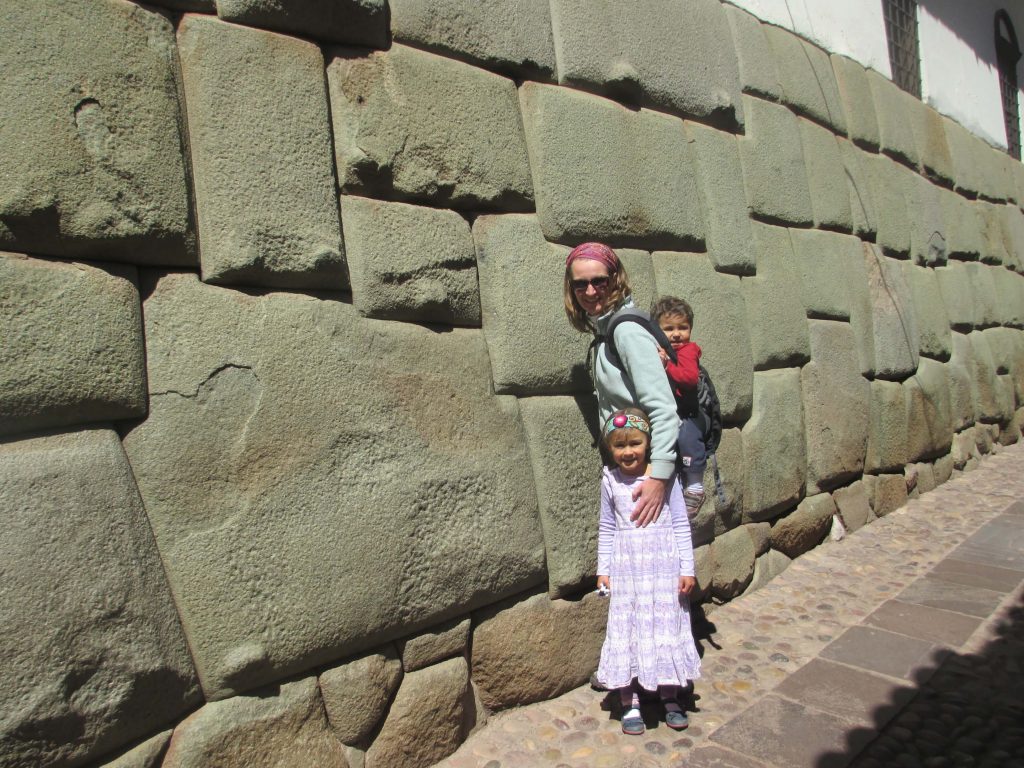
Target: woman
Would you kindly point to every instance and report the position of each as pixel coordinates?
(596, 287)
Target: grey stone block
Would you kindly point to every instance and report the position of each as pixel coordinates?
(776, 316)
(929, 311)
(148, 754)
(887, 428)
(436, 644)
(94, 653)
(991, 400)
(94, 167)
(983, 292)
(1010, 297)
(356, 22)
(894, 109)
(804, 528)
(767, 567)
(858, 185)
(826, 179)
(605, 172)
(513, 36)
(416, 126)
(888, 493)
(1013, 236)
(566, 466)
(774, 172)
(808, 82)
(965, 232)
(760, 534)
(858, 104)
(757, 70)
(1007, 345)
(852, 506)
(408, 262)
(418, 481)
(995, 240)
(732, 564)
(929, 242)
(720, 325)
(995, 165)
(717, 516)
(896, 336)
(968, 175)
(671, 54)
(356, 694)
(887, 185)
(535, 649)
(72, 348)
(961, 391)
(775, 456)
(823, 260)
(532, 347)
(720, 177)
(702, 569)
(930, 139)
(862, 308)
(929, 411)
(958, 295)
(254, 95)
(835, 399)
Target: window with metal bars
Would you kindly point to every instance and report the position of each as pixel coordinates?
(1007, 56)
(901, 33)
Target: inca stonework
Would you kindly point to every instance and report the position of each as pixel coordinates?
(297, 463)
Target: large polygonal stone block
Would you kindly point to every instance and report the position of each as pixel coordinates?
(148, 754)
(824, 263)
(94, 654)
(969, 177)
(261, 157)
(805, 527)
(862, 308)
(965, 232)
(560, 433)
(513, 35)
(957, 293)
(94, 165)
(991, 400)
(995, 240)
(732, 563)
(995, 168)
(858, 105)
(929, 310)
(886, 493)
(267, 489)
(808, 82)
(1013, 236)
(777, 320)
(887, 428)
(720, 325)
(286, 726)
(683, 62)
(852, 506)
(774, 452)
(356, 22)
(774, 172)
(532, 347)
(858, 185)
(930, 140)
(356, 694)
(961, 390)
(835, 399)
(718, 515)
(928, 240)
(983, 291)
(929, 411)
(894, 108)
(440, 642)
(72, 349)
(1010, 297)
(897, 340)
(829, 187)
(408, 262)
(757, 70)
(419, 127)
(605, 172)
(720, 176)
(887, 185)
(1007, 345)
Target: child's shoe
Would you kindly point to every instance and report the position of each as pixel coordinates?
(632, 722)
(675, 718)
(694, 501)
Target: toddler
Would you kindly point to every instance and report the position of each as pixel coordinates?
(649, 572)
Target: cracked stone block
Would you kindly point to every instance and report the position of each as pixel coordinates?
(435, 645)
(356, 22)
(777, 320)
(72, 349)
(991, 401)
(720, 175)
(533, 649)
(888, 185)
(94, 654)
(852, 506)
(415, 126)
(929, 310)
(805, 527)
(514, 35)
(98, 171)
(284, 725)
(757, 70)
(775, 456)
(887, 428)
(532, 348)
(962, 143)
(887, 493)
(716, 516)
(894, 109)
(858, 185)
(356, 693)
(605, 172)
(862, 308)
(560, 434)
(961, 388)
(824, 263)
(720, 325)
(858, 104)
(808, 81)
(929, 411)
(685, 62)
(965, 230)
(955, 286)
(896, 335)
(418, 488)
(930, 138)
(261, 157)
(774, 171)
(827, 181)
(409, 262)
(732, 564)
(928, 238)
(836, 438)
(1013, 237)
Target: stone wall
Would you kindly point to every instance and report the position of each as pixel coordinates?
(296, 462)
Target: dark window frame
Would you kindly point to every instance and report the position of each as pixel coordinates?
(904, 52)
(1007, 56)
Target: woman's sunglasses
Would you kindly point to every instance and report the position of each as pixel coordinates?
(599, 284)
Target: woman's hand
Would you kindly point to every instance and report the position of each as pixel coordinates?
(649, 498)
(686, 585)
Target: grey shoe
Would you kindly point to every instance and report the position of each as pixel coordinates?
(676, 719)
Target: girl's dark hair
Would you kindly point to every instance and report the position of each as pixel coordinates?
(671, 305)
(618, 290)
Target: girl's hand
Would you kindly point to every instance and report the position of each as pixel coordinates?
(663, 355)
(649, 498)
(686, 585)
(604, 581)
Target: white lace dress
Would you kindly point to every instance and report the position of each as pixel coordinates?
(648, 636)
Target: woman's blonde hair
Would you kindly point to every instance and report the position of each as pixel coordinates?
(617, 291)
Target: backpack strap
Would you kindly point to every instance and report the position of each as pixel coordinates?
(641, 318)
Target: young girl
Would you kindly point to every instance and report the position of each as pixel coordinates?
(649, 572)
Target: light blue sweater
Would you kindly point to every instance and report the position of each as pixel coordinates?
(643, 384)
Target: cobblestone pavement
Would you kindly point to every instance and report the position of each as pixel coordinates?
(902, 645)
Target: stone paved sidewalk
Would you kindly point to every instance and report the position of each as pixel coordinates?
(902, 645)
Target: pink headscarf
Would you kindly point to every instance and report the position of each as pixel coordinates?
(595, 252)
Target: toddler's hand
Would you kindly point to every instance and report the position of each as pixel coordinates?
(686, 585)
(663, 355)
